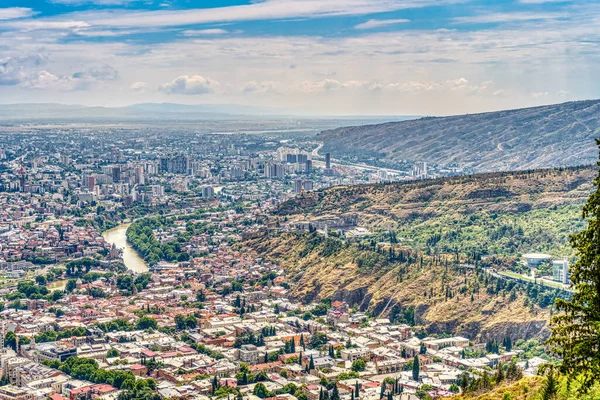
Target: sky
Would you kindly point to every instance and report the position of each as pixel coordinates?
(321, 57)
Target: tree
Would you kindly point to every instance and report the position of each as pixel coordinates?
(191, 321)
(464, 381)
(260, 390)
(71, 285)
(551, 387)
(574, 332)
(499, 377)
(359, 365)
(215, 384)
(454, 388)
(112, 353)
(311, 364)
(335, 395)
(146, 323)
(180, 322)
(416, 369)
(318, 340)
(10, 340)
(513, 372)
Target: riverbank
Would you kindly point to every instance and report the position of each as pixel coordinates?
(131, 259)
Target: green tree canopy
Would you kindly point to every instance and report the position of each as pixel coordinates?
(576, 332)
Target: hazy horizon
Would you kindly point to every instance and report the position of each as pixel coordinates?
(315, 57)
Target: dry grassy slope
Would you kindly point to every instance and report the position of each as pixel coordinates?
(532, 388)
(539, 137)
(529, 388)
(386, 206)
(338, 277)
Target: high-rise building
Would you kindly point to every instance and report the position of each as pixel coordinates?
(174, 165)
(328, 160)
(236, 172)
(208, 192)
(301, 158)
(560, 270)
(301, 185)
(116, 174)
(298, 186)
(308, 167)
(274, 170)
(139, 175)
(158, 191)
(91, 183)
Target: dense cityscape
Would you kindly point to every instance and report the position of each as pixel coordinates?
(123, 277)
(299, 200)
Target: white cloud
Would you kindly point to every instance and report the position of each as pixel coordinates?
(259, 10)
(507, 17)
(259, 87)
(44, 80)
(13, 70)
(378, 23)
(40, 24)
(138, 86)
(185, 84)
(542, 1)
(205, 32)
(27, 71)
(96, 2)
(15, 12)
(98, 72)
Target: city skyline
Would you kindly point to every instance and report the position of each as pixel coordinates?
(377, 57)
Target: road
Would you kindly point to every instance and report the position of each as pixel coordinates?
(315, 154)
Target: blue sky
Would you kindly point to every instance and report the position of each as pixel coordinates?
(431, 57)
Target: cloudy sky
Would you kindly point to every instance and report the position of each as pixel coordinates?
(337, 57)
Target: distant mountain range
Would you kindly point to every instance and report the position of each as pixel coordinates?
(547, 136)
(167, 112)
(153, 111)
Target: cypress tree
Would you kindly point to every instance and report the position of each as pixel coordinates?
(311, 364)
(416, 369)
(464, 381)
(499, 373)
(356, 390)
(335, 395)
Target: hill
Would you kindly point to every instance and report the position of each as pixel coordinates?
(532, 388)
(435, 293)
(539, 137)
(494, 213)
(427, 257)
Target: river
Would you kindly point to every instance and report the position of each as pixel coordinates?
(118, 237)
